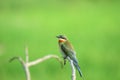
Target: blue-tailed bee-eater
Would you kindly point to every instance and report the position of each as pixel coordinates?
(67, 51)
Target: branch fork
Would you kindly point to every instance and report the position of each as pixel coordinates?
(26, 64)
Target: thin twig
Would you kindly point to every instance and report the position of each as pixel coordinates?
(27, 56)
(19, 59)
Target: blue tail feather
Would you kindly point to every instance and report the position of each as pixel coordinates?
(77, 67)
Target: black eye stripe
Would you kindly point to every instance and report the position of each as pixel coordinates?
(63, 37)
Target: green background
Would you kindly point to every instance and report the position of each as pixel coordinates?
(92, 26)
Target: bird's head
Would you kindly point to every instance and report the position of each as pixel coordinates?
(62, 38)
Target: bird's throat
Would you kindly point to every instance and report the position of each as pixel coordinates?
(61, 40)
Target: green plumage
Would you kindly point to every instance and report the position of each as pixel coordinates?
(68, 51)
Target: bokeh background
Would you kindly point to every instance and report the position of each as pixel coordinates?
(92, 26)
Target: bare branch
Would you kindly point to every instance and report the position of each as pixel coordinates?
(32, 63)
(25, 67)
(27, 72)
(72, 68)
(26, 64)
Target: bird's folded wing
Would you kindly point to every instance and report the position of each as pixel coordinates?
(69, 52)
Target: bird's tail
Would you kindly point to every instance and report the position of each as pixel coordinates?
(77, 67)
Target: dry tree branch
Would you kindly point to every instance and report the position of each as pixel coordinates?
(27, 73)
(26, 64)
(32, 63)
(73, 76)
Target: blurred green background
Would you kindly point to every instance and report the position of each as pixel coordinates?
(92, 26)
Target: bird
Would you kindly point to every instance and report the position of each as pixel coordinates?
(68, 51)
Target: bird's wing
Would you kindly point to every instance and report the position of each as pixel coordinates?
(69, 52)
